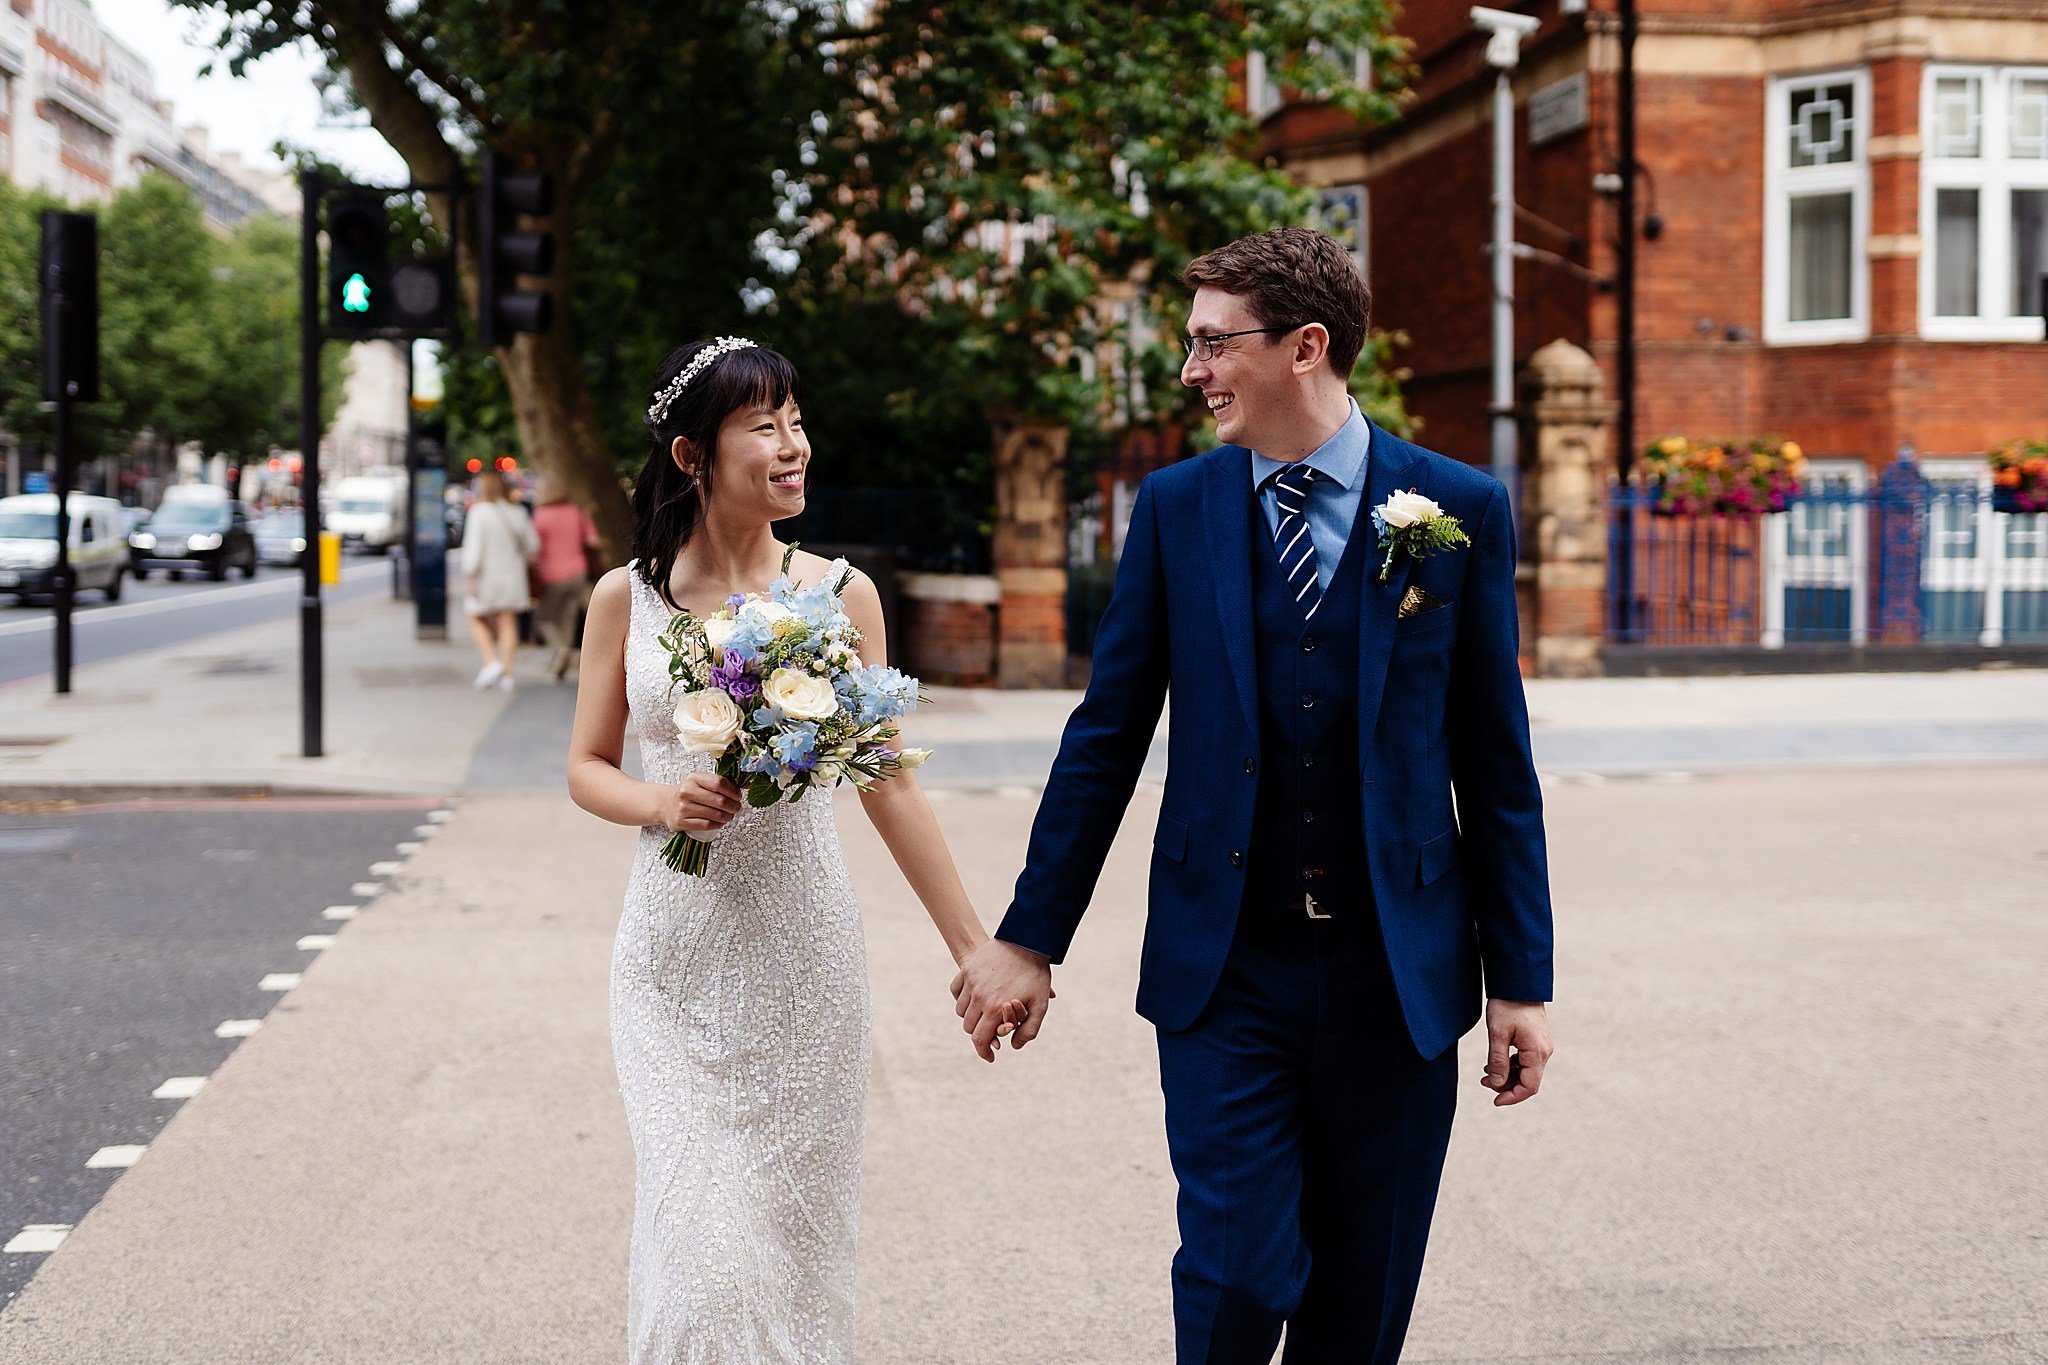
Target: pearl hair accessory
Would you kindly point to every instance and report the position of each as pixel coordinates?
(698, 364)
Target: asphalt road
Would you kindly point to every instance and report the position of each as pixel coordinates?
(129, 934)
(156, 612)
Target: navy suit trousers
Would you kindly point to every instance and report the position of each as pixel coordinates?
(1308, 1137)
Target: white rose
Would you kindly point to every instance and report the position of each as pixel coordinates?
(707, 720)
(719, 629)
(768, 611)
(803, 696)
(914, 758)
(1405, 509)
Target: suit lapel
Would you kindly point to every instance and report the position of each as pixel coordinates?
(1226, 490)
(1391, 465)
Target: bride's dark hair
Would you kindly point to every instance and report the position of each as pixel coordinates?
(668, 506)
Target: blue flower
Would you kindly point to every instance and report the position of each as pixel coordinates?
(763, 762)
(736, 601)
(767, 716)
(797, 747)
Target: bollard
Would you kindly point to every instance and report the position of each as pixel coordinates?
(330, 557)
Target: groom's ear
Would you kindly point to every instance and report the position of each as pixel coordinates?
(1311, 347)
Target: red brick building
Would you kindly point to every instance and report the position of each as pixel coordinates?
(1843, 204)
(1845, 210)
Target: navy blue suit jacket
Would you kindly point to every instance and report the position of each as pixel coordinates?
(1453, 819)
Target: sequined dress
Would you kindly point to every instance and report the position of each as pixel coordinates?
(741, 1033)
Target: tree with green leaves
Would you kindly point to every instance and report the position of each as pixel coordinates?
(1027, 178)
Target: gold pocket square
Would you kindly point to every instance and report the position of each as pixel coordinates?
(1415, 601)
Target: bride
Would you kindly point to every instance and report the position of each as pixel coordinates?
(739, 999)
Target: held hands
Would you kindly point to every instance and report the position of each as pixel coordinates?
(701, 802)
(1001, 991)
(1522, 1026)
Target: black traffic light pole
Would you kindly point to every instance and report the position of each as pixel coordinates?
(71, 355)
(311, 188)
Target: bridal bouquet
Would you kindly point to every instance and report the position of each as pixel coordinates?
(770, 683)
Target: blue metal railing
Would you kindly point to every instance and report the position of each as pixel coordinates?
(1916, 558)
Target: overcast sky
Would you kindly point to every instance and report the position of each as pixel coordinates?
(277, 99)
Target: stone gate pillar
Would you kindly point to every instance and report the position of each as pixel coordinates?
(1566, 505)
(1030, 551)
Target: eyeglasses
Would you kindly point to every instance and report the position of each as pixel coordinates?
(1204, 347)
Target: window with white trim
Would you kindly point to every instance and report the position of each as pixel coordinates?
(1983, 202)
(1261, 91)
(1817, 209)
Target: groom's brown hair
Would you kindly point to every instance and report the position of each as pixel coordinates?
(1291, 276)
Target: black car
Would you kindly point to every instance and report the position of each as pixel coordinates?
(195, 537)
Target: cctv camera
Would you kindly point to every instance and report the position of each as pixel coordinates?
(1503, 49)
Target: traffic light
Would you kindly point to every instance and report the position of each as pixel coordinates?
(421, 295)
(506, 251)
(71, 306)
(358, 263)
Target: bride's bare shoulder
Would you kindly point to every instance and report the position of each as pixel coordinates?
(614, 591)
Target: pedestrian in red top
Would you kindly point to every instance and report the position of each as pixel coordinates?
(567, 535)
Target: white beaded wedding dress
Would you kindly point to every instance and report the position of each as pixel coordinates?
(741, 1033)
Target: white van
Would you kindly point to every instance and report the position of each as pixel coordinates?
(28, 544)
(368, 511)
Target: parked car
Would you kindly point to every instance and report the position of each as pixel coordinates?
(190, 536)
(281, 537)
(28, 544)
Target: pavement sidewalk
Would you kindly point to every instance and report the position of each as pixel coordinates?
(1789, 1121)
(222, 715)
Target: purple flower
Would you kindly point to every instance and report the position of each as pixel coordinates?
(732, 677)
(736, 601)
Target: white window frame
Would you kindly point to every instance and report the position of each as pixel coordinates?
(1262, 98)
(1994, 175)
(1361, 253)
(1781, 181)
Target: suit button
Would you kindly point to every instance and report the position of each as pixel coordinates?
(1308, 817)
(1308, 644)
(1251, 765)
(1308, 760)
(1308, 702)
(1236, 858)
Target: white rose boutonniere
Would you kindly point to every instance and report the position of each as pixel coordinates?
(1413, 524)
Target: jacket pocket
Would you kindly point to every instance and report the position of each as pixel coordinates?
(1170, 840)
(1436, 857)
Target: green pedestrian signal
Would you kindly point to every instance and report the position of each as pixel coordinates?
(355, 294)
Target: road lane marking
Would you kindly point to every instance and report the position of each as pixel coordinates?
(313, 943)
(156, 606)
(278, 981)
(386, 869)
(339, 912)
(178, 1088)
(406, 850)
(366, 889)
(237, 1028)
(115, 1158)
(442, 816)
(36, 1238)
(425, 831)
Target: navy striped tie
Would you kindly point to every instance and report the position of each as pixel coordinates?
(1296, 545)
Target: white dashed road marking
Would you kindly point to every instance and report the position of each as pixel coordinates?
(278, 981)
(237, 1028)
(386, 869)
(366, 889)
(36, 1238)
(425, 831)
(441, 817)
(339, 912)
(178, 1088)
(114, 1158)
(407, 850)
(313, 943)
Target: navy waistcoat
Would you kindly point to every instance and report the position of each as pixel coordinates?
(1308, 824)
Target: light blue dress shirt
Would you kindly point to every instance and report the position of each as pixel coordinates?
(1334, 496)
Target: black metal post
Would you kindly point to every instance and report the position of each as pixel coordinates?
(311, 190)
(410, 583)
(60, 583)
(1623, 568)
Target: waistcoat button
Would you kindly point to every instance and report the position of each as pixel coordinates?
(1236, 858)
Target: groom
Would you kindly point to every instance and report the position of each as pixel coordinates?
(1323, 917)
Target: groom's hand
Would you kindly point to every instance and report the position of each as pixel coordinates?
(990, 978)
(1517, 1049)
